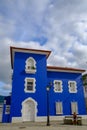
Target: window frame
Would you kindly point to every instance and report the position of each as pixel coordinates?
(61, 87)
(70, 88)
(32, 68)
(34, 85)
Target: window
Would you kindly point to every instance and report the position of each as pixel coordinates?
(59, 108)
(86, 88)
(58, 86)
(7, 110)
(72, 87)
(30, 66)
(1, 109)
(74, 107)
(29, 85)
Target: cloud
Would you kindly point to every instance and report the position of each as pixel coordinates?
(56, 25)
(5, 89)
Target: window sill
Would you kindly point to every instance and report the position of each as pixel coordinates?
(31, 71)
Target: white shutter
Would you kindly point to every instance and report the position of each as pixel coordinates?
(74, 107)
(59, 109)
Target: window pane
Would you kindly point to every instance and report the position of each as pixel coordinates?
(29, 85)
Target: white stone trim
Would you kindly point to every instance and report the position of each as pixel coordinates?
(34, 85)
(52, 118)
(44, 118)
(56, 91)
(17, 119)
(39, 119)
(70, 91)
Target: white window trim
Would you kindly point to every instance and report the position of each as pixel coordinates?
(30, 70)
(59, 110)
(61, 86)
(75, 108)
(70, 88)
(34, 85)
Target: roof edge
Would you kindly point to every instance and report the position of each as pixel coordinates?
(18, 49)
(65, 69)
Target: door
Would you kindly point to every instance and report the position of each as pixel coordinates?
(28, 113)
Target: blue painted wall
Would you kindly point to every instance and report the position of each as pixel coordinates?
(66, 97)
(43, 77)
(19, 75)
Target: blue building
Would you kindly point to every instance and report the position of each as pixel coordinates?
(31, 76)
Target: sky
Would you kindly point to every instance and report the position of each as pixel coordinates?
(56, 25)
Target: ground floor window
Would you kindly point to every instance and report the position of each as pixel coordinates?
(7, 110)
(74, 107)
(59, 108)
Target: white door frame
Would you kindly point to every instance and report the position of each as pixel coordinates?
(24, 108)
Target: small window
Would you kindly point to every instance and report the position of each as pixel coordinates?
(86, 88)
(58, 86)
(74, 107)
(1, 109)
(72, 87)
(7, 110)
(59, 108)
(30, 66)
(29, 85)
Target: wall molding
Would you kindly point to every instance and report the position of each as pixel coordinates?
(44, 118)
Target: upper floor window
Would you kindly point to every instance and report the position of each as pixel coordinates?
(58, 86)
(30, 85)
(30, 66)
(72, 87)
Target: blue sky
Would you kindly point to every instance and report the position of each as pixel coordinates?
(56, 25)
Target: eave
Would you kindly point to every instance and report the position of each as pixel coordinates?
(25, 50)
(64, 69)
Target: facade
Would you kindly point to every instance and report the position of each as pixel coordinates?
(1, 107)
(84, 77)
(31, 76)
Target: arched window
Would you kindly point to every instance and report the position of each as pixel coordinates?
(30, 66)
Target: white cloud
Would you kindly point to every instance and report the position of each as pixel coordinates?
(62, 23)
(7, 87)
